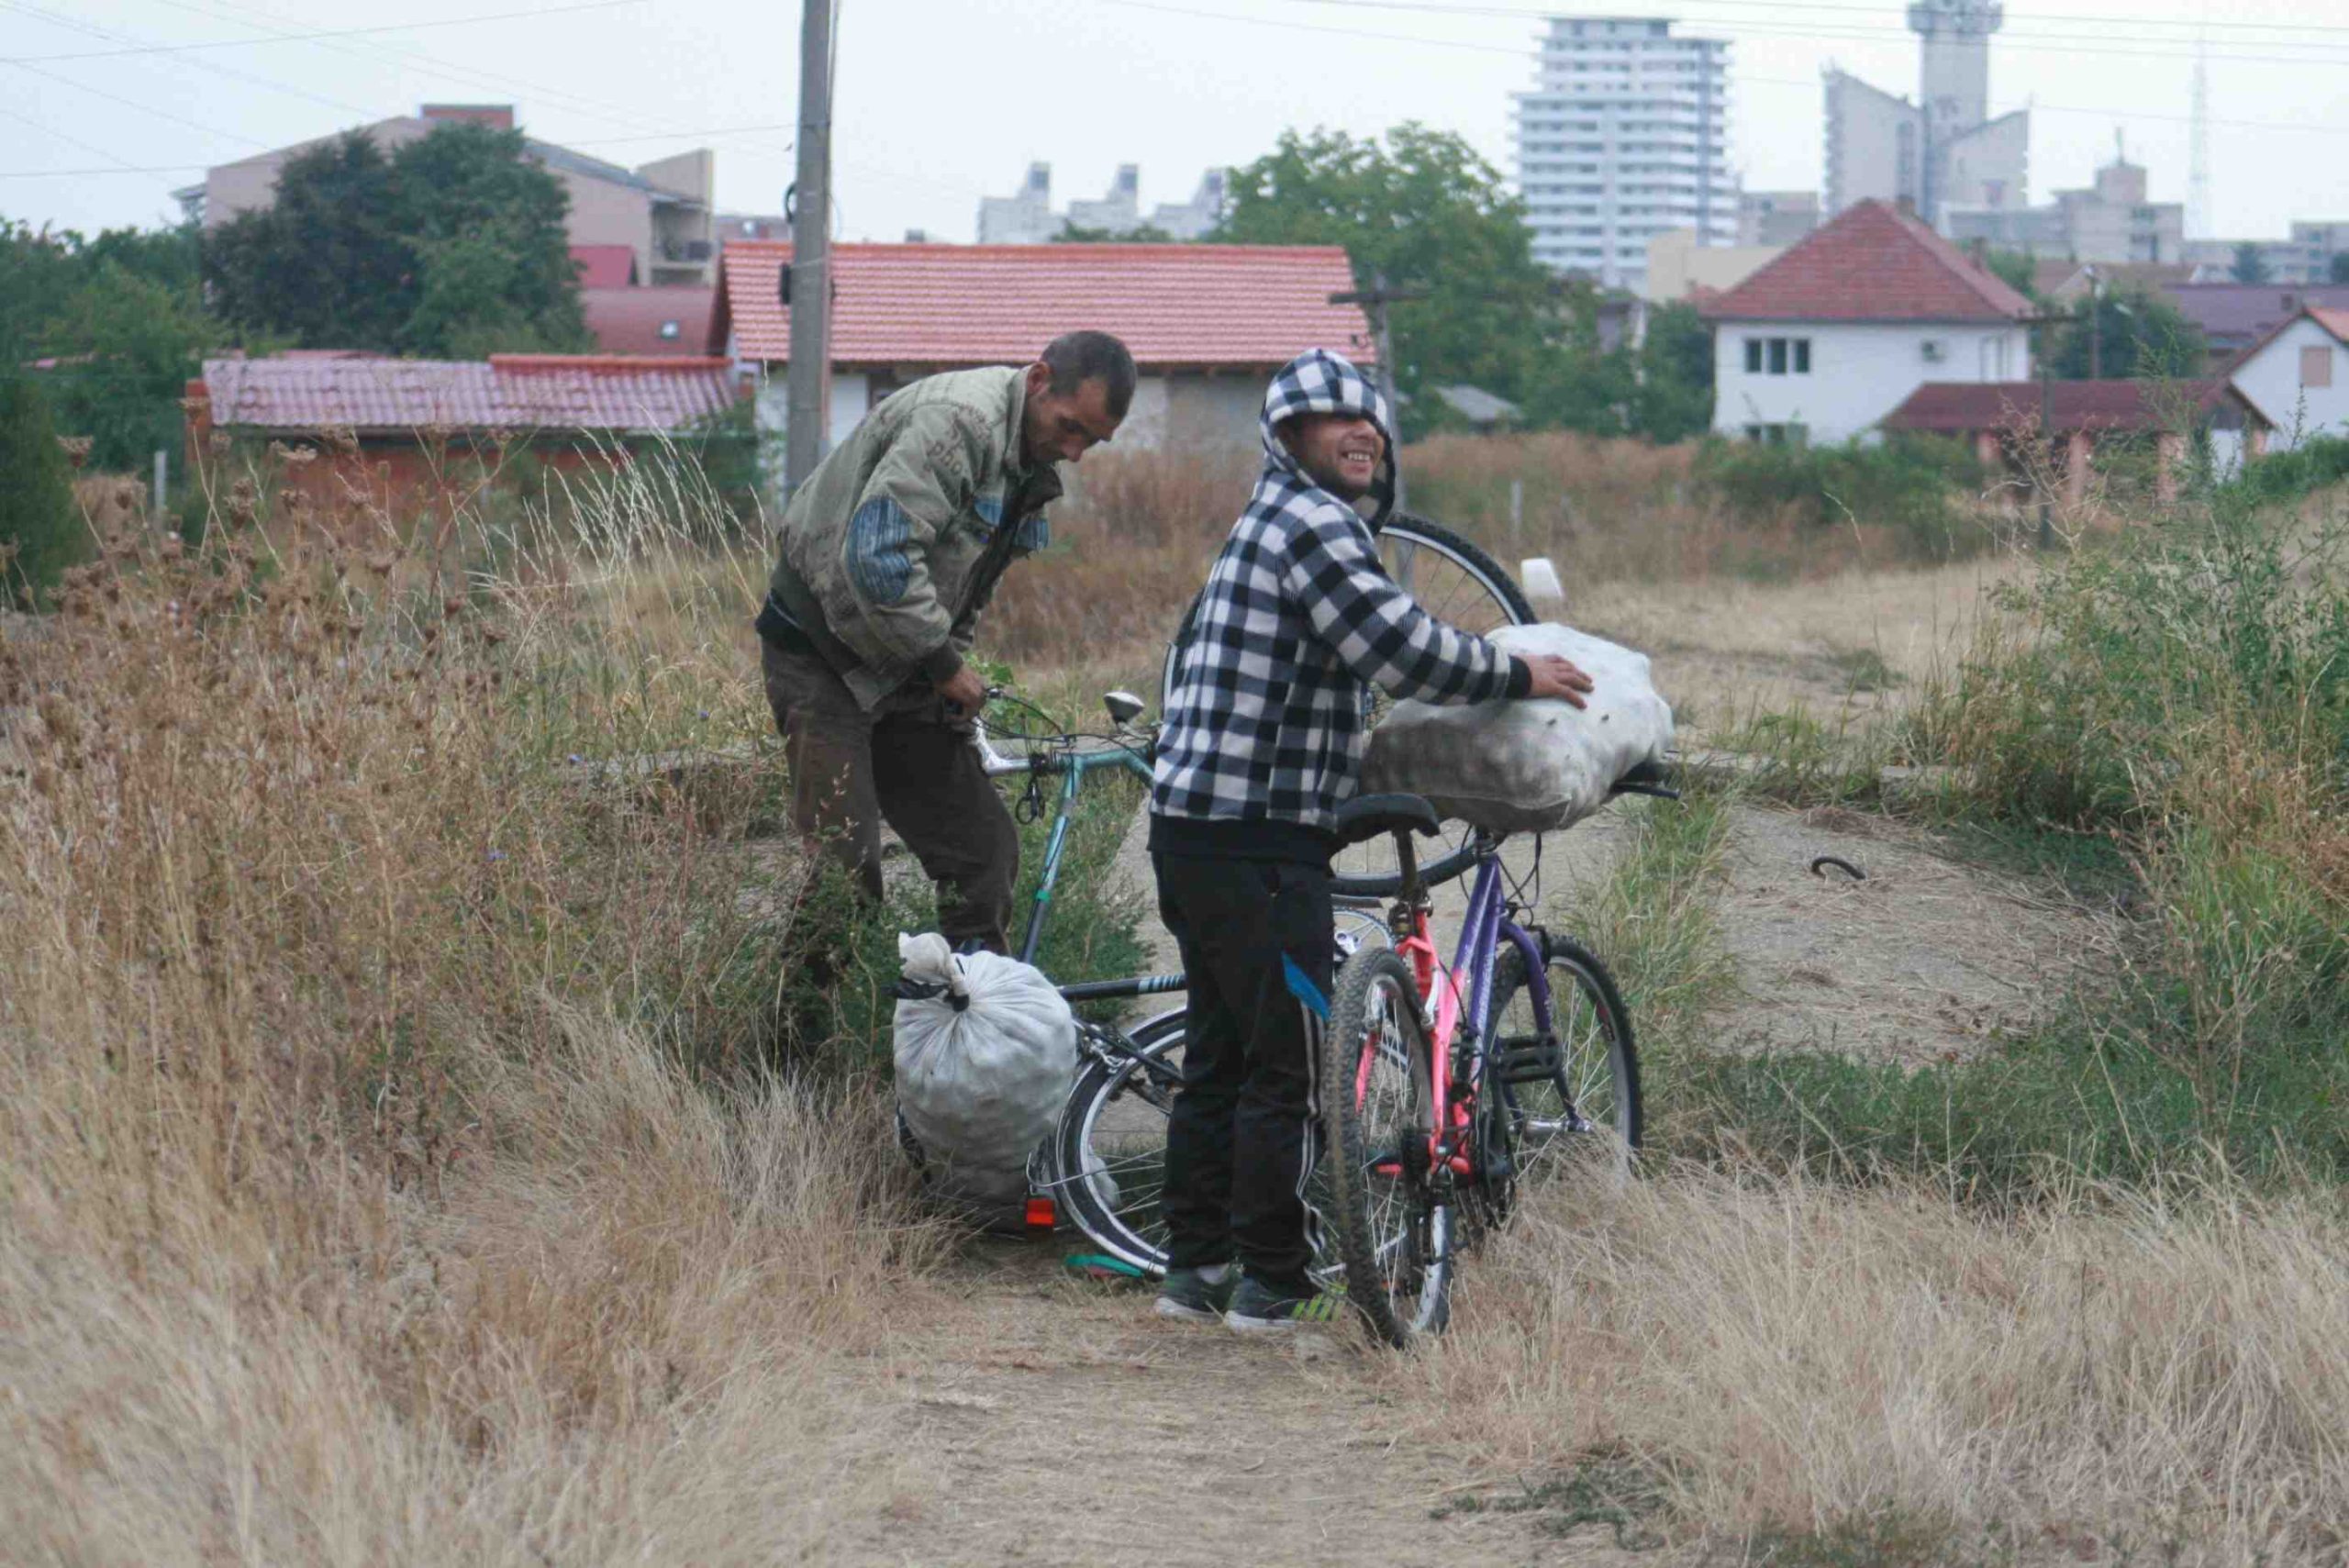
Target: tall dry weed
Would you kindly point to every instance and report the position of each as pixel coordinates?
(2149, 1375)
(385, 1171)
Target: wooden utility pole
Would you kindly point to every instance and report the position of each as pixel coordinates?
(811, 371)
(1373, 301)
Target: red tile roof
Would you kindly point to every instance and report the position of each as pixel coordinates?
(605, 266)
(2233, 315)
(509, 392)
(1958, 407)
(1871, 263)
(1255, 306)
(650, 320)
(2333, 321)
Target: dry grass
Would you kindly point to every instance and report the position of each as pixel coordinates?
(2152, 1372)
(384, 1168)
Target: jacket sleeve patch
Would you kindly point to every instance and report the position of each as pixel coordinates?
(877, 562)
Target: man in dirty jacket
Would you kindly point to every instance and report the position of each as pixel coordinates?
(889, 551)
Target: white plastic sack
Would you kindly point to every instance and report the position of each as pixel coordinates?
(1521, 767)
(982, 1067)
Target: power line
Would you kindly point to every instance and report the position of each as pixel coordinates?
(1519, 53)
(312, 38)
(1781, 6)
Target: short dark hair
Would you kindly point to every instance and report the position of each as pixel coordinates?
(1075, 358)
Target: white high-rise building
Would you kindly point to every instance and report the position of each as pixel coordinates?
(1626, 137)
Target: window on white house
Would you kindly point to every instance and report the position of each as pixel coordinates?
(1788, 435)
(2316, 365)
(1782, 356)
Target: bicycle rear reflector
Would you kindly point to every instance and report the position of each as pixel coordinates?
(1041, 1214)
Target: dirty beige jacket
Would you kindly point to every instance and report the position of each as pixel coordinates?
(895, 542)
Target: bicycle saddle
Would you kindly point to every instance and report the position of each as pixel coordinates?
(1368, 816)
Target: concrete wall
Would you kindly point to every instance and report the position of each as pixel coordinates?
(1859, 373)
(242, 186)
(2271, 379)
(1209, 413)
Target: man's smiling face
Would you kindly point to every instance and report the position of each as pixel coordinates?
(1340, 450)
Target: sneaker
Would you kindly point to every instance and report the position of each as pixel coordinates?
(1260, 1309)
(1189, 1294)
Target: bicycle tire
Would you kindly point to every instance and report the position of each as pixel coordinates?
(1119, 1215)
(1482, 597)
(1596, 1069)
(1394, 1233)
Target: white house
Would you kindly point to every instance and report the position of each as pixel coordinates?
(1822, 343)
(1207, 324)
(2298, 376)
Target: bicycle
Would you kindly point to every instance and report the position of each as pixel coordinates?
(1436, 1106)
(1104, 1162)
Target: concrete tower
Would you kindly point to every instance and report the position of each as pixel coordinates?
(1955, 88)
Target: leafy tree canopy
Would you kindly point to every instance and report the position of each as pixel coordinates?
(2019, 269)
(2140, 335)
(40, 533)
(2250, 265)
(452, 247)
(1422, 210)
(1147, 234)
(2336, 270)
(115, 326)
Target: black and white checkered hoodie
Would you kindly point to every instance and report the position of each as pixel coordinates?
(1263, 726)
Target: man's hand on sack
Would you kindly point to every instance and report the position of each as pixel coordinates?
(1556, 677)
(965, 694)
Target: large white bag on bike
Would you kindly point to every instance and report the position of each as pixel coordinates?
(1521, 767)
(984, 1061)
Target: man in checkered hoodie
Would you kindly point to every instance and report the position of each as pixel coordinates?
(1263, 741)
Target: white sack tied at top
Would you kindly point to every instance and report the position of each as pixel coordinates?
(982, 1064)
(1527, 765)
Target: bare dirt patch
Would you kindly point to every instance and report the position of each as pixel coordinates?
(1054, 1421)
(1925, 958)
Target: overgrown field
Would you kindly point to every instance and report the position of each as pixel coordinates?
(418, 1138)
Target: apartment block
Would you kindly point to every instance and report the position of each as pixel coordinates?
(1624, 137)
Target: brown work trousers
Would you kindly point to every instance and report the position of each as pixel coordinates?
(908, 763)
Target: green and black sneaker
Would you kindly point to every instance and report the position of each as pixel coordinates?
(1260, 1309)
(1190, 1294)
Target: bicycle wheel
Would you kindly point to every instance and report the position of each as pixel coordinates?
(1109, 1152)
(1563, 1059)
(1393, 1226)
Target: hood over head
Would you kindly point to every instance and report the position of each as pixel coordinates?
(1321, 382)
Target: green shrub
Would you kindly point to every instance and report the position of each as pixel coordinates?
(40, 532)
(1917, 487)
(2286, 476)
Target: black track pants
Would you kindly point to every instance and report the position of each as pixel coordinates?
(1241, 1142)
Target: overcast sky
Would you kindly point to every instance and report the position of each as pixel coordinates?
(942, 101)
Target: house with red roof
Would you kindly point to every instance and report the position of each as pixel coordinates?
(2001, 421)
(400, 430)
(2298, 376)
(1823, 343)
(1207, 324)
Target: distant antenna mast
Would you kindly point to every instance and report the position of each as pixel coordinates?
(2198, 164)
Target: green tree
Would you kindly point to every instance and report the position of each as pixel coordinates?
(2250, 264)
(1147, 234)
(117, 323)
(2019, 269)
(451, 247)
(39, 532)
(1422, 210)
(1675, 399)
(2140, 335)
(2336, 268)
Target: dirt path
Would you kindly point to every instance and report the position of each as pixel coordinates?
(1927, 958)
(1056, 1420)
(1060, 1422)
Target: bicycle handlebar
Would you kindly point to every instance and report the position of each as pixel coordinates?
(1062, 743)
